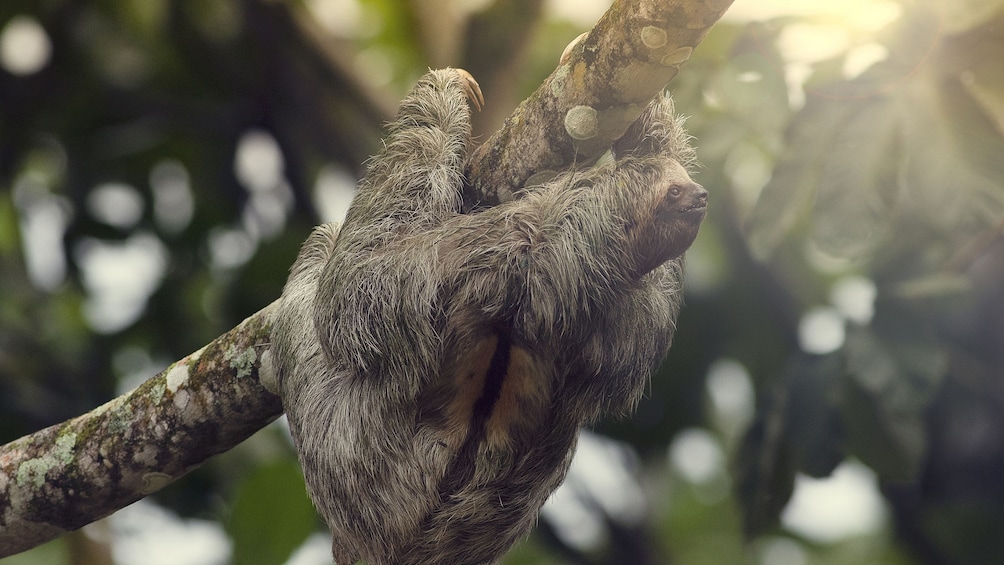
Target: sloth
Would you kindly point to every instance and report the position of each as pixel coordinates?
(436, 366)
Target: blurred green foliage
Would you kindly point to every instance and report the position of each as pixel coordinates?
(889, 176)
(271, 514)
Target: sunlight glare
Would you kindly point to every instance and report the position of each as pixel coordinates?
(861, 58)
(811, 43)
(582, 13)
(824, 30)
(860, 15)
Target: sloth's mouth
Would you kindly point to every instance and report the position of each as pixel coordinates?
(695, 207)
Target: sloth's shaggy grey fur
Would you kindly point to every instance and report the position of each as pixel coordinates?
(436, 366)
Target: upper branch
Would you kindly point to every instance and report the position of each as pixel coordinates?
(599, 89)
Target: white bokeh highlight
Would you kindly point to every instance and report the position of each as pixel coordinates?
(733, 398)
(821, 330)
(854, 298)
(333, 192)
(173, 200)
(147, 534)
(115, 204)
(119, 278)
(601, 476)
(844, 505)
(25, 48)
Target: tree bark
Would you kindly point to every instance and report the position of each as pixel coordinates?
(68, 475)
(601, 85)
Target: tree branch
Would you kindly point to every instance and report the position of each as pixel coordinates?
(599, 89)
(68, 475)
(71, 474)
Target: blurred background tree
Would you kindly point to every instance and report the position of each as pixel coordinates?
(835, 393)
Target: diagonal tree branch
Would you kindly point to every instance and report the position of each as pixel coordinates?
(600, 87)
(68, 475)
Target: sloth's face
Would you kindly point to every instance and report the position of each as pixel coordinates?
(670, 220)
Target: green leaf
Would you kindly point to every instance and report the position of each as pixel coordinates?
(797, 430)
(889, 389)
(952, 174)
(985, 83)
(857, 182)
(967, 530)
(9, 236)
(272, 515)
(766, 473)
(814, 426)
(786, 199)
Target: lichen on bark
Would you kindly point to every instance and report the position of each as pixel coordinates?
(70, 474)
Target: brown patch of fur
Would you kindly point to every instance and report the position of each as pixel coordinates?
(522, 400)
(468, 383)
